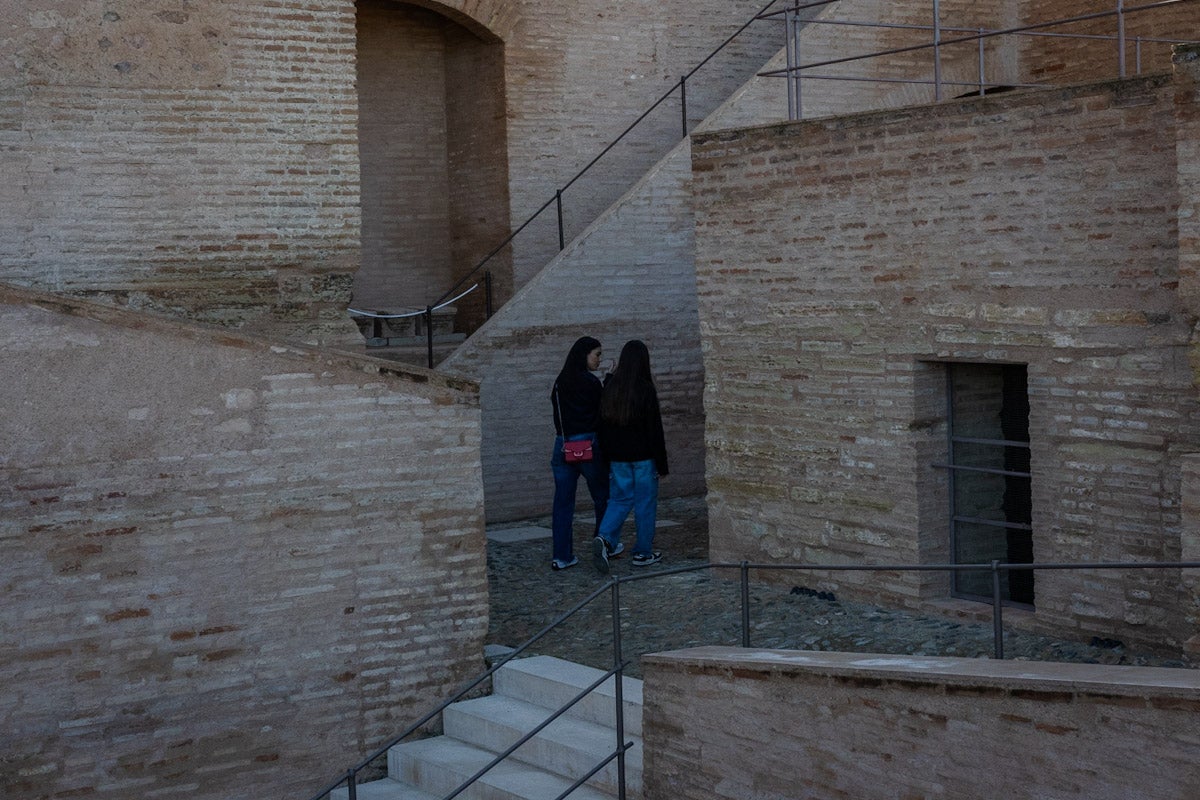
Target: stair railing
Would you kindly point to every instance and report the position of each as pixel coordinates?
(350, 777)
(996, 568)
(557, 199)
(795, 70)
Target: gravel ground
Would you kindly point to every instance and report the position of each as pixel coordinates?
(690, 609)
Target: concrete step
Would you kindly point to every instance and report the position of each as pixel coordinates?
(567, 746)
(439, 765)
(386, 789)
(552, 682)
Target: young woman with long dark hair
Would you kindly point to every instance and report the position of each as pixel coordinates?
(576, 401)
(631, 437)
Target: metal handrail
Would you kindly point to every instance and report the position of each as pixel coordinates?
(612, 586)
(351, 774)
(556, 200)
(794, 71)
(681, 85)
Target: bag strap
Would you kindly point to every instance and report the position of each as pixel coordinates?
(557, 404)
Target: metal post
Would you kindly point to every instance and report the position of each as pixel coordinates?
(351, 784)
(562, 242)
(982, 80)
(487, 292)
(683, 103)
(791, 62)
(796, 84)
(1137, 54)
(951, 488)
(429, 334)
(619, 687)
(1121, 38)
(997, 614)
(745, 604)
(937, 51)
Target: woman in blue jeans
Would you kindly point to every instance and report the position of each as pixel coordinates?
(631, 437)
(576, 401)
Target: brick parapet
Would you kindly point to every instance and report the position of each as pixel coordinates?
(235, 564)
(868, 726)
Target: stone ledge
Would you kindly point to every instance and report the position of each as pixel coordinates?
(974, 672)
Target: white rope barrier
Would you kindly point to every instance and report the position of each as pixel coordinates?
(373, 315)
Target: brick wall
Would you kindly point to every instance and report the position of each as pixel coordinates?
(876, 727)
(205, 161)
(232, 567)
(629, 277)
(1060, 61)
(201, 160)
(840, 261)
(432, 149)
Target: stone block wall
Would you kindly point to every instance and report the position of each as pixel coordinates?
(232, 567)
(728, 723)
(841, 262)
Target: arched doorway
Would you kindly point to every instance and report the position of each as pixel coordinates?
(433, 156)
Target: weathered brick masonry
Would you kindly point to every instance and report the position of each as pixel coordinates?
(833, 726)
(201, 161)
(230, 566)
(1049, 59)
(842, 262)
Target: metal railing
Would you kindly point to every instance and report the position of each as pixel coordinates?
(795, 17)
(613, 587)
(795, 70)
(474, 277)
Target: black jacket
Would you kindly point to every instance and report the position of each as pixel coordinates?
(576, 401)
(640, 440)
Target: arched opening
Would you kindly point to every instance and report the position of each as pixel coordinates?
(433, 156)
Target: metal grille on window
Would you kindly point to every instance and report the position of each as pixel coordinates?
(990, 481)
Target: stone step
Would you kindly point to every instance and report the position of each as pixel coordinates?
(552, 682)
(386, 789)
(441, 764)
(567, 746)
(525, 692)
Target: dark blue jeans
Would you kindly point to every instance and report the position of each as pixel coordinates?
(566, 479)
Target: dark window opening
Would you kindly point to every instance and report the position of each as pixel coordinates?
(990, 481)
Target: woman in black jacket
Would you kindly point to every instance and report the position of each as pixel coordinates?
(576, 401)
(631, 437)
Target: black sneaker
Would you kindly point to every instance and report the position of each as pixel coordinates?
(646, 559)
(600, 555)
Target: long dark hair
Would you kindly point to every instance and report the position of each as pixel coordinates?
(576, 362)
(630, 391)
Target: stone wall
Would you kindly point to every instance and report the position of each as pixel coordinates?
(232, 567)
(1058, 61)
(842, 262)
(728, 723)
(204, 160)
(629, 276)
(199, 160)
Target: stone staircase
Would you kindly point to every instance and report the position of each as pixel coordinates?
(524, 693)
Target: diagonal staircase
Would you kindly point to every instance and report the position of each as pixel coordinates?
(524, 693)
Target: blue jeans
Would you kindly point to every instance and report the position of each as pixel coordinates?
(566, 478)
(634, 487)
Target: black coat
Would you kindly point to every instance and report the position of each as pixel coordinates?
(576, 401)
(641, 440)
